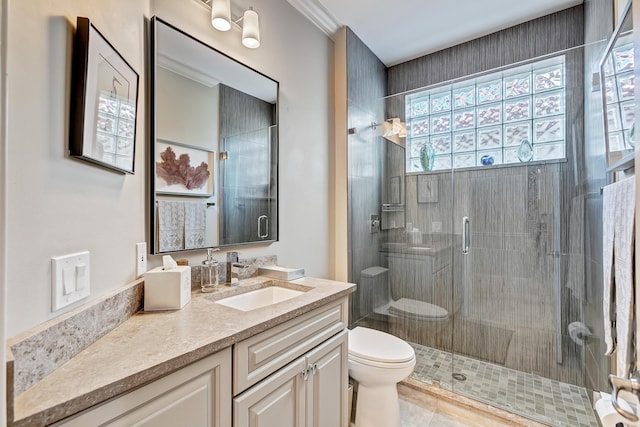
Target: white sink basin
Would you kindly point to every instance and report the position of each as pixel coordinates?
(259, 298)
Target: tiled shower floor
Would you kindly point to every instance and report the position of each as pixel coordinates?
(542, 399)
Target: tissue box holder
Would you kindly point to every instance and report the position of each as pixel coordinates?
(167, 289)
(281, 273)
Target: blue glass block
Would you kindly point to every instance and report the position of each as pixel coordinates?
(441, 144)
(518, 85)
(510, 155)
(414, 146)
(440, 102)
(464, 97)
(613, 118)
(420, 127)
(514, 133)
(548, 151)
(548, 78)
(548, 129)
(420, 108)
(441, 123)
(623, 58)
(627, 114)
(464, 119)
(611, 90)
(626, 86)
(464, 141)
(464, 160)
(489, 91)
(616, 141)
(442, 162)
(489, 115)
(548, 103)
(490, 137)
(517, 109)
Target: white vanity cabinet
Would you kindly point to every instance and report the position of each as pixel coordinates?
(294, 374)
(196, 395)
(310, 392)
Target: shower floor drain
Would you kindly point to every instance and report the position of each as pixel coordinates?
(458, 376)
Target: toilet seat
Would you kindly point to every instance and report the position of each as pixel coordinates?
(419, 310)
(379, 349)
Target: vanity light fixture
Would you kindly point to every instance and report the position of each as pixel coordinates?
(221, 14)
(221, 20)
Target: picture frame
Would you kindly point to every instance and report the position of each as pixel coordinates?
(183, 170)
(104, 102)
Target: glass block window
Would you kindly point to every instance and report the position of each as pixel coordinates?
(509, 117)
(619, 97)
(115, 130)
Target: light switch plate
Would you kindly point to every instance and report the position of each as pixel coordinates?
(141, 258)
(70, 279)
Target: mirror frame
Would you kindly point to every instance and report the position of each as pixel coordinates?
(620, 156)
(152, 80)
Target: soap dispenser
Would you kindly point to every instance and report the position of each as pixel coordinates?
(209, 273)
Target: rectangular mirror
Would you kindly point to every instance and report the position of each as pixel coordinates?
(618, 97)
(213, 147)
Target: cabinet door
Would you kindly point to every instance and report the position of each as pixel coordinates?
(198, 395)
(277, 401)
(327, 384)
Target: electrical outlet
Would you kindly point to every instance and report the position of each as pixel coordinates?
(70, 282)
(141, 258)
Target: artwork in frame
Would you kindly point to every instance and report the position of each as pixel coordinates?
(104, 100)
(183, 170)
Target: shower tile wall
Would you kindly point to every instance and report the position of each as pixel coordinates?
(525, 282)
(366, 82)
(598, 26)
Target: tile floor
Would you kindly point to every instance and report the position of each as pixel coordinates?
(547, 401)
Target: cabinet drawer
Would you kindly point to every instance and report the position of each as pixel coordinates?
(259, 356)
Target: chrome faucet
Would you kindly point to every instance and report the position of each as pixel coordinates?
(234, 267)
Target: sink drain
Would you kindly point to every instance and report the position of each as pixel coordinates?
(459, 377)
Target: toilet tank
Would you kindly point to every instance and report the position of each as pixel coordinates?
(373, 289)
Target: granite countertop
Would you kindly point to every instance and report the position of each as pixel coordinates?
(150, 345)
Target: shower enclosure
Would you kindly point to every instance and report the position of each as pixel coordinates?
(469, 194)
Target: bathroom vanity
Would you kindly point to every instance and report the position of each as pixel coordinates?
(284, 364)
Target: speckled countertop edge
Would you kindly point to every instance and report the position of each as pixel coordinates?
(152, 344)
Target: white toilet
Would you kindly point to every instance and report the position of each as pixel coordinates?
(378, 361)
(375, 298)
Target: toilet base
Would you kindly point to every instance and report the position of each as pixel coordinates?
(377, 406)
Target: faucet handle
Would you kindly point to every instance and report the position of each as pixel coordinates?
(232, 257)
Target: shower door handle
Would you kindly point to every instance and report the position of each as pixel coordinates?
(263, 219)
(465, 235)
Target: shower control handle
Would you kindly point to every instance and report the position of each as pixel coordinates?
(466, 232)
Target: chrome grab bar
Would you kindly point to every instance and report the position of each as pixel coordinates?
(466, 231)
(628, 384)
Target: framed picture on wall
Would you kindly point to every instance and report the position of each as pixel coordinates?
(104, 100)
(183, 169)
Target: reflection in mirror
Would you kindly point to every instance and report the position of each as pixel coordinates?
(618, 93)
(213, 146)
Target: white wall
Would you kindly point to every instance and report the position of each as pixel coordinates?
(58, 205)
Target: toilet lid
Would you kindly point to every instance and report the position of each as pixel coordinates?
(417, 309)
(378, 346)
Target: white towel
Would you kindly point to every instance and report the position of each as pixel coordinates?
(195, 225)
(618, 262)
(170, 226)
